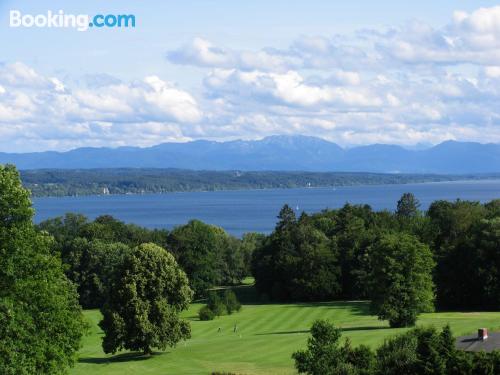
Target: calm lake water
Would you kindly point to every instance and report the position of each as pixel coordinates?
(254, 210)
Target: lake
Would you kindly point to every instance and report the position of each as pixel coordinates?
(254, 210)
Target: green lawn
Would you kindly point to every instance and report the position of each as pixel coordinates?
(266, 337)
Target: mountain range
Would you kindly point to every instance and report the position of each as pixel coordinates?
(284, 153)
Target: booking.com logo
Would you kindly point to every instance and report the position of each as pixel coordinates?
(81, 22)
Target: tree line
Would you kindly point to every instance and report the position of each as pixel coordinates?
(72, 182)
(405, 262)
(91, 250)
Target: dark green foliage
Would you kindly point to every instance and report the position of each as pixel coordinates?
(146, 295)
(401, 279)
(216, 303)
(421, 351)
(325, 354)
(249, 243)
(297, 262)
(206, 313)
(90, 266)
(104, 228)
(60, 182)
(398, 356)
(463, 238)
(196, 247)
(209, 256)
(231, 302)
(231, 258)
(91, 249)
(424, 351)
(40, 321)
(407, 206)
(354, 230)
(466, 239)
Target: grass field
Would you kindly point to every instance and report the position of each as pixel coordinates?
(267, 335)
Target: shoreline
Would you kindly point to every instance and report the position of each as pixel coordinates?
(333, 187)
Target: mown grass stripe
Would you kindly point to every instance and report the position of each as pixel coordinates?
(251, 352)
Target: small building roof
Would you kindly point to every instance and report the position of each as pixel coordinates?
(472, 343)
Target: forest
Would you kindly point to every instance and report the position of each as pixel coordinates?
(73, 182)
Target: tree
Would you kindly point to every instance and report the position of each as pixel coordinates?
(407, 206)
(325, 355)
(216, 303)
(41, 323)
(397, 355)
(421, 351)
(196, 247)
(297, 262)
(248, 244)
(231, 258)
(90, 266)
(205, 313)
(146, 296)
(231, 302)
(458, 245)
(401, 279)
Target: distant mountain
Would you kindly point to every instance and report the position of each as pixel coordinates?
(285, 153)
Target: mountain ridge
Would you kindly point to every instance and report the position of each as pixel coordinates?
(279, 152)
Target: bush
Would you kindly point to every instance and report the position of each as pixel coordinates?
(231, 302)
(206, 314)
(216, 304)
(326, 355)
(420, 351)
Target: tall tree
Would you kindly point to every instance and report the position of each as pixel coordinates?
(41, 323)
(146, 296)
(408, 206)
(457, 244)
(401, 278)
(90, 267)
(297, 262)
(196, 247)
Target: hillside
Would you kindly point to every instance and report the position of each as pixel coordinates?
(284, 153)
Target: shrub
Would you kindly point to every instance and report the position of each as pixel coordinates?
(216, 304)
(326, 355)
(206, 314)
(231, 302)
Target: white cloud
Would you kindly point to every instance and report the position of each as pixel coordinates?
(492, 71)
(409, 84)
(38, 111)
(287, 88)
(203, 53)
(468, 38)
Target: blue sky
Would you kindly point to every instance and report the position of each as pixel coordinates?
(354, 72)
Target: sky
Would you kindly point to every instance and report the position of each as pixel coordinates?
(352, 72)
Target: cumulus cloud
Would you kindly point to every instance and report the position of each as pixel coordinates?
(43, 110)
(468, 38)
(288, 88)
(305, 53)
(203, 53)
(408, 84)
